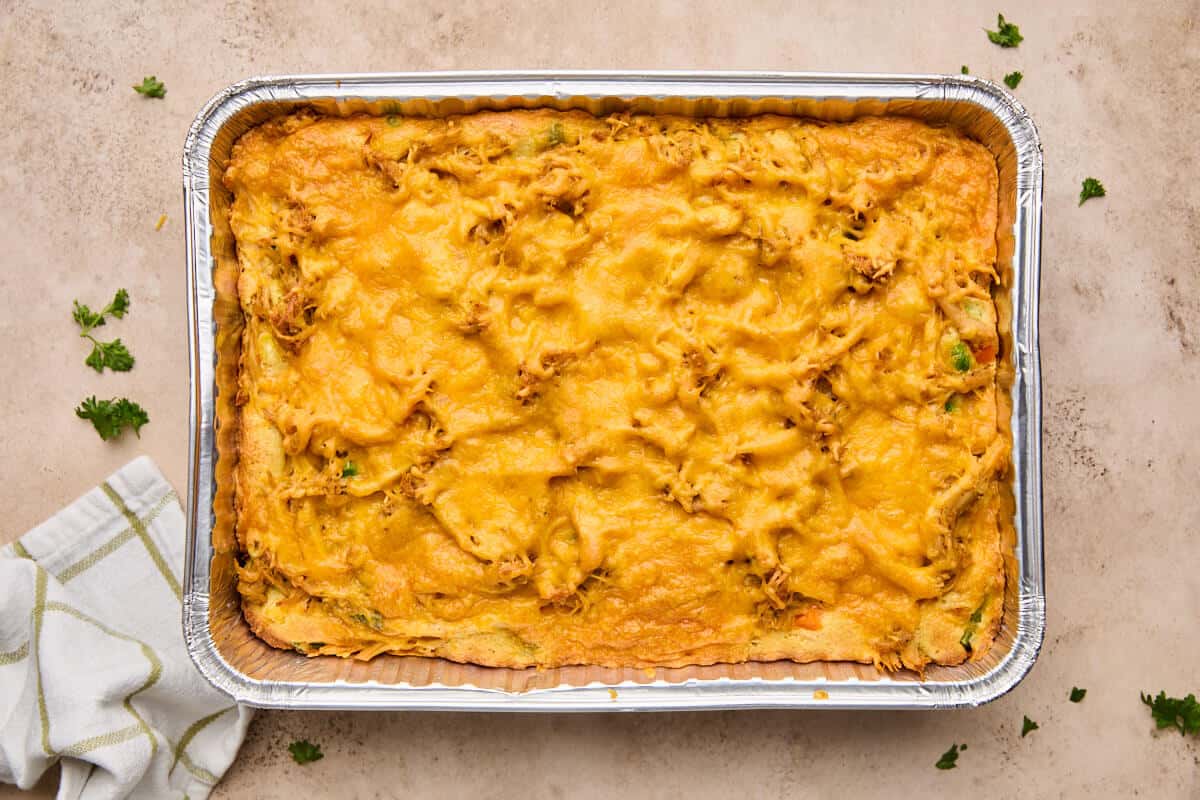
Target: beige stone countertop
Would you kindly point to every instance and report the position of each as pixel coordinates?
(87, 167)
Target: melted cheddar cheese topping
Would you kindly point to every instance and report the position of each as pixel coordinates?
(538, 388)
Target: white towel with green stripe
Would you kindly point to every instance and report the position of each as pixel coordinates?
(93, 668)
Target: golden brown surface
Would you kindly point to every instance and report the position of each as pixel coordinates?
(534, 388)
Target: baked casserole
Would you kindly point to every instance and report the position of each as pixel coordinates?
(538, 388)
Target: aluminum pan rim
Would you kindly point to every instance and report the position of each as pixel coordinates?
(722, 693)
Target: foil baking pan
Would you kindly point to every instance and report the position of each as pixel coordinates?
(237, 662)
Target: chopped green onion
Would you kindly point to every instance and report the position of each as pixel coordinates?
(960, 357)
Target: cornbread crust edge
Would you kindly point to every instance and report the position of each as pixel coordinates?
(286, 615)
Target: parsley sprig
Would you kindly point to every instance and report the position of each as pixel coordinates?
(114, 354)
(89, 319)
(1091, 188)
(111, 417)
(949, 759)
(304, 751)
(1012, 79)
(1077, 694)
(151, 87)
(1175, 712)
(1028, 726)
(1006, 35)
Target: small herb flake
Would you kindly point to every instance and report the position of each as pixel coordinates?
(972, 626)
(375, 620)
(305, 752)
(1173, 712)
(556, 135)
(965, 71)
(349, 470)
(960, 357)
(111, 417)
(151, 87)
(1077, 694)
(953, 403)
(949, 759)
(1012, 79)
(1091, 188)
(1006, 35)
(1028, 726)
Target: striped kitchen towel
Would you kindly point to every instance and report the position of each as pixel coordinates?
(93, 669)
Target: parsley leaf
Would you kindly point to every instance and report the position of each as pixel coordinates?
(111, 417)
(1028, 727)
(949, 759)
(1091, 188)
(304, 751)
(151, 87)
(1172, 712)
(85, 317)
(113, 355)
(965, 71)
(1007, 35)
(952, 404)
(350, 470)
(1012, 79)
(1077, 694)
(960, 357)
(119, 305)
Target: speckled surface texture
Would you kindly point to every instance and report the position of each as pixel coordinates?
(87, 166)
